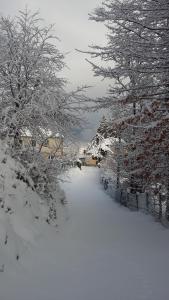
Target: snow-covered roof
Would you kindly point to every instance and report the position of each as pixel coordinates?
(48, 133)
(59, 135)
(104, 144)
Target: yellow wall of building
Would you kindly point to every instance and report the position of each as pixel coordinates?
(90, 162)
(53, 146)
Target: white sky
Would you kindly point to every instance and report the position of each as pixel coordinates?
(75, 31)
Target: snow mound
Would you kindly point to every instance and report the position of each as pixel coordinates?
(22, 212)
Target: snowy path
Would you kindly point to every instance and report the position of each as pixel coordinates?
(102, 252)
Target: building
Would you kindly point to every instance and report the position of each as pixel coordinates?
(50, 148)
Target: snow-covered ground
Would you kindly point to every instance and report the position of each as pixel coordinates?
(23, 213)
(102, 252)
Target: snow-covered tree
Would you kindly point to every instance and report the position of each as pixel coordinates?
(135, 59)
(33, 96)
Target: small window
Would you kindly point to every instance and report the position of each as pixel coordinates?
(51, 156)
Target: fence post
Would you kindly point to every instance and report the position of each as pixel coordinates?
(147, 202)
(160, 207)
(128, 199)
(121, 197)
(137, 204)
(106, 184)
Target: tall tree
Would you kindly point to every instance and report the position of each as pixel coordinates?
(136, 59)
(32, 94)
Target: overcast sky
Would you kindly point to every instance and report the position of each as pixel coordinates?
(75, 31)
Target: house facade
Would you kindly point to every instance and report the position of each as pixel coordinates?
(50, 148)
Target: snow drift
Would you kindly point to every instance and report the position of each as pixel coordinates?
(23, 213)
